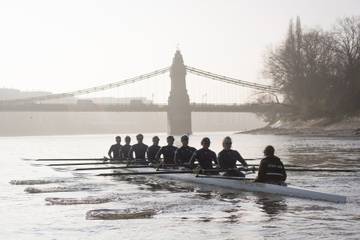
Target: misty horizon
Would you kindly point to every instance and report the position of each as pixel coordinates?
(99, 43)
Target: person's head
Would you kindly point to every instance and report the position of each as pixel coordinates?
(269, 151)
(156, 140)
(227, 142)
(139, 138)
(185, 140)
(118, 139)
(127, 140)
(205, 142)
(170, 140)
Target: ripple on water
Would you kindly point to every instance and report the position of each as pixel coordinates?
(75, 201)
(313, 208)
(76, 188)
(36, 181)
(119, 214)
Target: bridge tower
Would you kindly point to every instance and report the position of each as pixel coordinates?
(179, 111)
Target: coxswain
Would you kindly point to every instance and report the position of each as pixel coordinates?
(168, 152)
(271, 169)
(114, 152)
(153, 149)
(126, 148)
(205, 157)
(139, 149)
(228, 158)
(184, 153)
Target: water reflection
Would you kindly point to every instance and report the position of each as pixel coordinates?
(272, 206)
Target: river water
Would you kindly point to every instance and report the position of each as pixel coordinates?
(182, 211)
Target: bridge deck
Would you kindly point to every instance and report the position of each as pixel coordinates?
(137, 107)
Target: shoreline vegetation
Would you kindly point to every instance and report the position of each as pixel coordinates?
(317, 73)
(320, 127)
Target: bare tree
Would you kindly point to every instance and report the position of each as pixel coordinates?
(347, 35)
(318, 71)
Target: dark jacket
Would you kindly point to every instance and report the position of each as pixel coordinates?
(139, 149)
(271, 170)
(205, 158)
(168, 153)
(151, 153)
(116, 151)
(184, 154)
(125, 151)
(228, 158)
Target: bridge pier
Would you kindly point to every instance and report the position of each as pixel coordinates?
(179, 111)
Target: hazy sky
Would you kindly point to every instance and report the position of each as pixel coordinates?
(66, 45)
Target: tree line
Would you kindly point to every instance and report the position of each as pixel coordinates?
(318, 71)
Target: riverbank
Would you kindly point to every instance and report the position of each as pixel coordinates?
(348, 127)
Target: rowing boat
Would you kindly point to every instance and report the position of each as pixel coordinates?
(241, 184)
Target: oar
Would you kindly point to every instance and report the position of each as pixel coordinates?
(104, 163)
(89, 159)
(95, 163)
(257, 165)
(320, 170)
(224, 177)
(252, 159)
(173, 172)
(297, 169)
(152, 166)
(143, 173)
(195, 171)
(65, 159)
(109, 168)
(81, 164)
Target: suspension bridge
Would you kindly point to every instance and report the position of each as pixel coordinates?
(178, 108)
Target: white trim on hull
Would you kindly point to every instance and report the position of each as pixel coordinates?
(244, 185)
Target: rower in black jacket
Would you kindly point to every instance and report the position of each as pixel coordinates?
(126, 148)
(184, 153)
(114, 152)
(167, 151)
(271, 169)
(139, 149)
(228, 158)
(205, 157)
(153, 149)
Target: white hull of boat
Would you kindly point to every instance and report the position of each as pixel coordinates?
(245, 185)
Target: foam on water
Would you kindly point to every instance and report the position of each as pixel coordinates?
(55, 189)
(118, 214)
(35, 182)
(74, 201)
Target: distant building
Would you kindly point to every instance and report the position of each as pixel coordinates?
(85, 102)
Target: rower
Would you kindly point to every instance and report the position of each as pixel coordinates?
(205, 157)
(167, 151)
(227, 159)
(139, 149)
(153, 149)
(126, 148)
(114, 152)
(271, 169)
(184, 153)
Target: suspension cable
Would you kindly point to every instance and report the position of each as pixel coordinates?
(199, 72)
(217, 77)
(92, 89)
